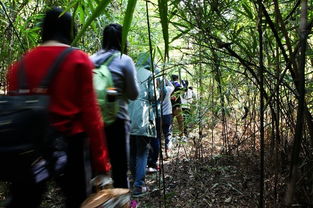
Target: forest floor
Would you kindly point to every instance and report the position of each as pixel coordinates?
(209, 180)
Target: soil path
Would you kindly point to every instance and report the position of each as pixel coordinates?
(211, 181)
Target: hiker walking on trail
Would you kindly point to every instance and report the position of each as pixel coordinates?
(167, 116)
(166, 123)
(187, 100)
(176, 104)
(154, 149)
(73, 114)
(123, 72)
(143, 127)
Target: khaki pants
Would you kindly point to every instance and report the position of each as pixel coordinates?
(178, 113)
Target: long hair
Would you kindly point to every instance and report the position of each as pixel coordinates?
(112, 37)
(58, 27)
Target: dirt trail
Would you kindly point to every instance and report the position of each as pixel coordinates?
(212, 181)
(215, 180)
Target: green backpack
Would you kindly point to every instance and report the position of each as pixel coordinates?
(105, 91)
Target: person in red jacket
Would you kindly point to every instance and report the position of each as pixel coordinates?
(73, 109)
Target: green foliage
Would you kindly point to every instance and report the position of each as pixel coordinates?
(163, 10)
(94, 14)
(127, 20)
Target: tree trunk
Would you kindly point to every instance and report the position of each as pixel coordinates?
(218, 77)
(295, 160)
(260, 30)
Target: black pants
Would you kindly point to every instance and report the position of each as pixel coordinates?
(76, 178)
(118, 146)
(26, 192)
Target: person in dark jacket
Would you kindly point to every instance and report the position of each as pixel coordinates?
(73, 113)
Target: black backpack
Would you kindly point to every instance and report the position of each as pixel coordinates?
(175, 96)
(24, 118)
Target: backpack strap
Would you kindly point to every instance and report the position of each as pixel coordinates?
(108, 60)
(52, 71)
(111, 58)
(54, 68)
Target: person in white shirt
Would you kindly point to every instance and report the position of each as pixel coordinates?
(187, 100)
(166, 108)
(167, 114)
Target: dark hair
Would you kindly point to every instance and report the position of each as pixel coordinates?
(174, 77)
(58, 27)
(112, 37)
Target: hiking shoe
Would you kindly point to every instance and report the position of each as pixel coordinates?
(140, 191)
(170, 145)
(152, 170)
(134, 204)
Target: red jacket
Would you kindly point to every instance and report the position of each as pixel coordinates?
(73, 104)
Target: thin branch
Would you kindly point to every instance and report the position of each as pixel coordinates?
(293, 10)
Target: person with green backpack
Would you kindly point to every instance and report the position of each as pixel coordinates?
(106, 92)
(114, 98)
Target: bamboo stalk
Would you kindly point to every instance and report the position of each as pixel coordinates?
(261, 66)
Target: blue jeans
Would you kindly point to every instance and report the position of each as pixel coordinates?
(167, 128)
(155, 142)
(138, 158)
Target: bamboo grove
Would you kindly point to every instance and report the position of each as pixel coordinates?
(250, 62)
